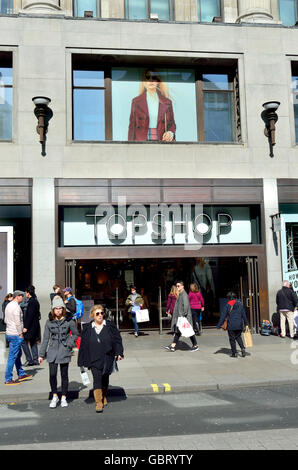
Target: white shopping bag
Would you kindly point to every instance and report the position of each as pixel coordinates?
(142, 315)
(185, 327)
(84, 376)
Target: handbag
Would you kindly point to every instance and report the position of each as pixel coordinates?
(142, 315)
(247, 338)
(225, 323)
(185, 327)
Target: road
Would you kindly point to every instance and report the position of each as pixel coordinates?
(245, 418)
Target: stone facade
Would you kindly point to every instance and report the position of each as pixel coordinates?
(42, 37)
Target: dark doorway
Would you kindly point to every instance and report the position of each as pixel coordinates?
(108, 282)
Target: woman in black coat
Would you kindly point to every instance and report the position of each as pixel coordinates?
(236, 319)
(101, 343)
(31, 328)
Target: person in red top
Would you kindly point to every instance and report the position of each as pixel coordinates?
(197, 305)
(171, 301)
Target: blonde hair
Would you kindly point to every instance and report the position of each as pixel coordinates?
(96, 307)
(162, 88)
(174, 291)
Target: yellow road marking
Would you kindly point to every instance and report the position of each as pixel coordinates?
(155, 387)
(167, 387)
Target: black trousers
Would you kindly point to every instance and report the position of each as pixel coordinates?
(64, 377)
(177, 337)
(100, 380)
(235, 335)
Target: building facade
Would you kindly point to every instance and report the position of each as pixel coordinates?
(139, 185)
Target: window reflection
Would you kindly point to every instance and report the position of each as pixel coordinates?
(207, 10)
(288, 12)
(5, 103)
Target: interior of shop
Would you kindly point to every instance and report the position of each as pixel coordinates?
(108, 282)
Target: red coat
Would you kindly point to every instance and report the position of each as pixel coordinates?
(139, 118)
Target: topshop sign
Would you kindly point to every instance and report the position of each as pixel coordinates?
(155, 224)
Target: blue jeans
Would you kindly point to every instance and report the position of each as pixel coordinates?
(14, 357)
(135, 323)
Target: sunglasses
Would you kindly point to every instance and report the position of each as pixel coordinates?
(100, 312)
(152, 78)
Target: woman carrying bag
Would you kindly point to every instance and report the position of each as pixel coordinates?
(235, 315)
(57, 345)
(101, 345)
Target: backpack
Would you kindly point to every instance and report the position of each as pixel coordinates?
(266, 328)
(80, 309)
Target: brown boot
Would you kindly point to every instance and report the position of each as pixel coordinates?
(98, 399)
(104, 396)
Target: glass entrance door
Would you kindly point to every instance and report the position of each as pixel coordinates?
(250, 293)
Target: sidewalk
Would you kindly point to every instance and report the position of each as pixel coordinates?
(149, 368)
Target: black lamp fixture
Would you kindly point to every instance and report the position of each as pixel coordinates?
(43, 114)
(270, 117)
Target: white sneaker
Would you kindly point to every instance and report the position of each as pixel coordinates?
(54, 402)
(64, 403)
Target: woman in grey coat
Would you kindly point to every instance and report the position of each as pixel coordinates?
(181, 309)
(57, 345)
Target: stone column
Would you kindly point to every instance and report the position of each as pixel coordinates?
(273, 248)
(49, 7)
(43, 242)
(254, 11)
(186, 10)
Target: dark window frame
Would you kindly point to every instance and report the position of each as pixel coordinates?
(94, 62)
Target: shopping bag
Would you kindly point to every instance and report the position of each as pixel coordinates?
(185, 327)
(142, 315)
(84, 376)
(247, 337)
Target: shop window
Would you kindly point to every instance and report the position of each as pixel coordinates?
(86, 8)
(208, 9)
(295, 95)
(6, 96)
(144, 9)
(170, 104)
(6, 7)
(288, 10)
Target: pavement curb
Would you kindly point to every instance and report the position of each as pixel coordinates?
(131, 392)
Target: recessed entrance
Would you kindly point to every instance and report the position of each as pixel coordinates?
(107, 281)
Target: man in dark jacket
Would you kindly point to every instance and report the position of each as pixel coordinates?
(286, 301)
(31, 328)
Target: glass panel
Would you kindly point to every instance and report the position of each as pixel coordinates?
(88, 78)
(161, 7)
(218, 117)
(207, 9)
(295, 101)
(216, 82)
(89, 114)
(5, 113)
(5, 76)
(287, 12)
(6, 7)
(154, 104)
(80, 6)
(136, 9)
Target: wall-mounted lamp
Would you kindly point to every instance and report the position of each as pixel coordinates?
(270, 117)
(43, 114)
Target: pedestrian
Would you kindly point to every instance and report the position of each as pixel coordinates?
(15, 338)
(236, 317)
(31, 328)
(181, 309)
(101, 344)
(134, 302)
(6, 301)
(172, 297)
(286, 301)
(70, 303)
(196, 305)
(57, 345)
(56, 291)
